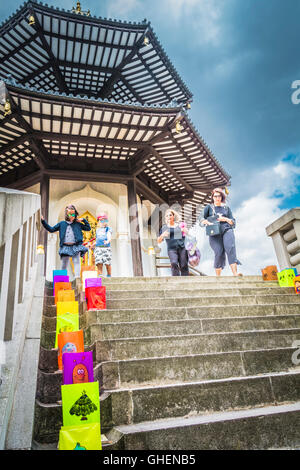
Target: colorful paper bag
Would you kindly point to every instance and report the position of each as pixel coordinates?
(96, 298)
(59, 279)
(88, 275)
(85, 268)
(80, 404)
(66, 322)
(67, 307)
(83, 437)
(66, 296)
(69, 342)
(286, 277)
(93, 282)
(269, 273)
(61, 286)
(78, 367)
(296, 281)
(59, 272)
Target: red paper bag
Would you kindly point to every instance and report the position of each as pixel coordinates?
(96, 298)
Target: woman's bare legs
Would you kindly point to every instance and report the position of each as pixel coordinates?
(108, 269)
(100, 269)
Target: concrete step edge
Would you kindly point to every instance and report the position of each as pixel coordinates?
(209, 418)
(237, 379)
(222, 333)
(186, 320)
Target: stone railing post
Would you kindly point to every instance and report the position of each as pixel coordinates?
(285, 234)
(19, 212)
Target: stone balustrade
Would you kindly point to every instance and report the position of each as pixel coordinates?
(19, 217)
(285, 234)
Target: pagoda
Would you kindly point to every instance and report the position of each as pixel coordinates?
(94, 113)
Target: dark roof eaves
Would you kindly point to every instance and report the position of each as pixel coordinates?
(12, 83)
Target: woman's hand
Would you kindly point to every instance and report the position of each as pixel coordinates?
(225, 219)
(206, 222)
(162, 236)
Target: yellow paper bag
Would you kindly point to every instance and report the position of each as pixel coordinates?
(66, 296)
(67, 307)
(66, 322)
(83, 437)
(80, 404)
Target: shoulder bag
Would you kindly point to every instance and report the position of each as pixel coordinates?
(215, 227)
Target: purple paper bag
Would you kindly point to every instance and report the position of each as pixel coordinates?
(93, 282)
(78, 368)
(59, 279)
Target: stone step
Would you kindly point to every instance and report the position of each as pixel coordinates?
(186, 326)
(147, 305)
(185, 292)
(145, 329)
(178, 279)
(137, 405)
(140, 404)
(254, 429)
(171, 370)
(195, 367)
(196, 292)
(164, 313)
(135, 348)
(198, 301)
(189, 284)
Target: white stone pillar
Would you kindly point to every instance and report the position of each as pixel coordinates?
(124, 262)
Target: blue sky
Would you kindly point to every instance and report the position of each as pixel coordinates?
(239, 58)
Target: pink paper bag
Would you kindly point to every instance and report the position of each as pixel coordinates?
(78, 368)
(59, 278)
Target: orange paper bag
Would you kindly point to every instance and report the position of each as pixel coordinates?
(66, 296)
(61, 286)
(69, 342)
(269, 273)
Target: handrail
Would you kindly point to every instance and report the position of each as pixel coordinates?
(168, 265)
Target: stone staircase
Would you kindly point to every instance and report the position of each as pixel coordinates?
(185, 364)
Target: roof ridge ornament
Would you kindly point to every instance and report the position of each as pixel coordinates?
(79, 11)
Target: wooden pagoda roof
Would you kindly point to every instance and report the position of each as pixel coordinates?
(81, 138)
(84, 55)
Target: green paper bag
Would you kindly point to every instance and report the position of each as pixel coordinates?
(66, 322)
(83, 437)
(80, 404)
(286, 277)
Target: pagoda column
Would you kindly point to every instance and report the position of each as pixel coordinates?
(43, 235)
(134, 229)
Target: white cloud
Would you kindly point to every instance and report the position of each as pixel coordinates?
(254, 248)
(120, 9)
(204, 16)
